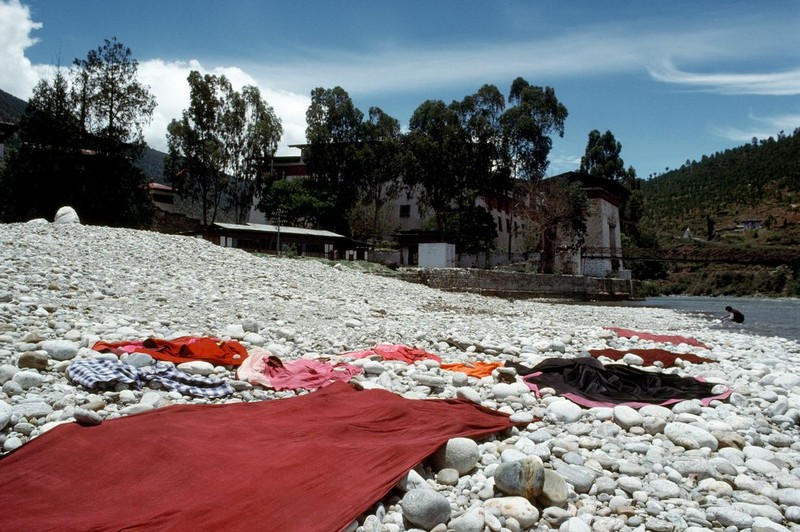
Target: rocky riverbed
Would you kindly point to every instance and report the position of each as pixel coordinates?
(732, 465)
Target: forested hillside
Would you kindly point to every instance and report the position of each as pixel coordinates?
(11, 107)
(758, 182)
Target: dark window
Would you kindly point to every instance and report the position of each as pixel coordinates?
(405, 211)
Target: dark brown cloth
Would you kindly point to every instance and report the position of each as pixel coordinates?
(313, 462)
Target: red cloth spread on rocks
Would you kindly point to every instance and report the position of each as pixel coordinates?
(271, 372)
(182, 349)
(312, 462)
(665, 338)
(651, 355)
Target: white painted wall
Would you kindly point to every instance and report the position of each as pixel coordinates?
(438, 255)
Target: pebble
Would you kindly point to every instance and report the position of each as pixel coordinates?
(731, 465)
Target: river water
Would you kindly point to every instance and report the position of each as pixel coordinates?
(764, 317)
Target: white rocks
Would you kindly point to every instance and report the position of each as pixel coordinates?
(731, 464)
(564, 411)
(425, 508)
(66, 216)
(197, 367)
(60, 349)
(689, 436)
(461, 454)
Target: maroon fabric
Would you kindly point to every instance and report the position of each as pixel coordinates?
(651, 355)
(665, 338)
(313, 462)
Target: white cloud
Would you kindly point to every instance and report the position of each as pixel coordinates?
(761, 128)
(18, 75)
(786, 83)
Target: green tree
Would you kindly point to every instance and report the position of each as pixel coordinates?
(333, 136)
(221, 145)
(297, 201)
(79, 141)
(602, 157)
(377, 167)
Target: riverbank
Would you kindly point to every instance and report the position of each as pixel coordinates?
(729, 464)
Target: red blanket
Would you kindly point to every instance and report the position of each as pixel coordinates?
(665, 338)
(314, 462)
(651, 355)
(182, 349)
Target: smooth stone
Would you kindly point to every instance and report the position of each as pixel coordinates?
(425, 508)
(12, 388)
(253, 338)
(574, 524)
(789, 496)
(412, 480)
(473, 520)
(197, 367)
(7, 372)
(555, 490)
(250, 325)
(11, 443)
(763, 524)
(515, 507)
(135, 409)
(689, 436)
(522, 477)
(66, 216)
(60, 349)
(664, 489)
(626, 417)
(729, 517)
(756, 465)
(632, 359)
(656, 411)
(447, 476)
(28, 379)
(556, 516)
(33, 409)
(581, 478)
(461, 454)
(87, 418)
(33, 360)
(139, 360)
(565, 411)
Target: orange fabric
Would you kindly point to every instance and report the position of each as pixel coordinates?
(182, 349)
(475, 369)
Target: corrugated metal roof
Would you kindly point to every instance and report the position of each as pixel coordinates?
(266, 228)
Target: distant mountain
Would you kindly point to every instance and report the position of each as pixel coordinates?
(151, 162)
(11, 107)
(755, 185)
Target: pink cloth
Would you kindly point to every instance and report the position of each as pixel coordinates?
(269, 371)
(402, 353)
(666, 338)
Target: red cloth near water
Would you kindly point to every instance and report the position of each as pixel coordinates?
(651, 355)
(313, 462)
(403, 353)
(182, 349)
(665, 338)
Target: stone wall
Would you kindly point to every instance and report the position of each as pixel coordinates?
(522, 285)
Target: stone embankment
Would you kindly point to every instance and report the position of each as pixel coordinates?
(731, 465)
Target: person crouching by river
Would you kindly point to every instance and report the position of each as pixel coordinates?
(733, 315)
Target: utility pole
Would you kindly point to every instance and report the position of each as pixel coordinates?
(278, 215)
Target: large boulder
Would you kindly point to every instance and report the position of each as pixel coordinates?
(66, 215)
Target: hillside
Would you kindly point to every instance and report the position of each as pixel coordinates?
(757, 184)
(151, 162)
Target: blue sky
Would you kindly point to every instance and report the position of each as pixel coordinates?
(672, 80)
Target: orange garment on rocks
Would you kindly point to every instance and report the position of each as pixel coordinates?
(474, 369)
(182, 349)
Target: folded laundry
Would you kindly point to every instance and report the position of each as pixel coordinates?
(403, 353)
(100, 374)
(587, 382)
(474, 369)
(313, 462)
(182, 349)
(666, 338)
(650, 356)
(269, 371)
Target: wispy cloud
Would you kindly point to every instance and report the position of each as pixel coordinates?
(760, 128)
(785, 83)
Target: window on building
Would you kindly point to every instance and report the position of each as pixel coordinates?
(405, 211)
(500, 224)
